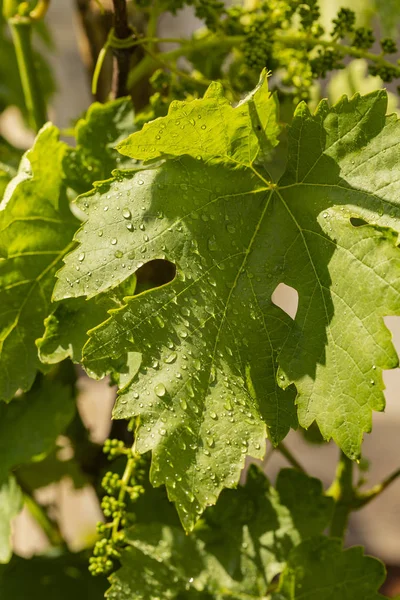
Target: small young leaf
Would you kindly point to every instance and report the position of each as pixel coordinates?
(94, 157)
(209, 128)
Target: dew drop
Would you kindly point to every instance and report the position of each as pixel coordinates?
(114, 241)
(118, 254)
(129, 226)
(81, 257)
(171, 358)
(140, 182)
(160, 390)
(126, 213)
(100, 233)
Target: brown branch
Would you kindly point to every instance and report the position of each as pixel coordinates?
(93, 30)
(122, 56)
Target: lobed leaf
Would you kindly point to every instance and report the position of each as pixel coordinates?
(95, 157)
(241, 545)
(36, 229)
(319, 569)
(218, 357)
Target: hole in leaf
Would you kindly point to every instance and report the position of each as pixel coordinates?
(153, 274)
(356, 222)
(287, 298)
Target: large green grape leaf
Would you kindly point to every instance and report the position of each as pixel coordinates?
(49, 577)
(211, 340)
(318, 569)
(36, 229)
(30, 425)
(235, 552)
(10, 505)
(95, 157)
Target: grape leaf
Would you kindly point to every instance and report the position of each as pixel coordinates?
(30, 425)
(318, 569)
(243, 542)
(48, 577)
(36, 229)
(10, 505)
(94, 157)
(199, 416)
(212, 338)
(211, 127)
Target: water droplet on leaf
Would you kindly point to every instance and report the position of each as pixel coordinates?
(160, 390)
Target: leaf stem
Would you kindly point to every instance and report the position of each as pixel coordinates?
(364, 498)
(21, 29)
(40, 10)
(284, 450)
(342, 492)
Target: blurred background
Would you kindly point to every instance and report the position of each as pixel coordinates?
(71, 58)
